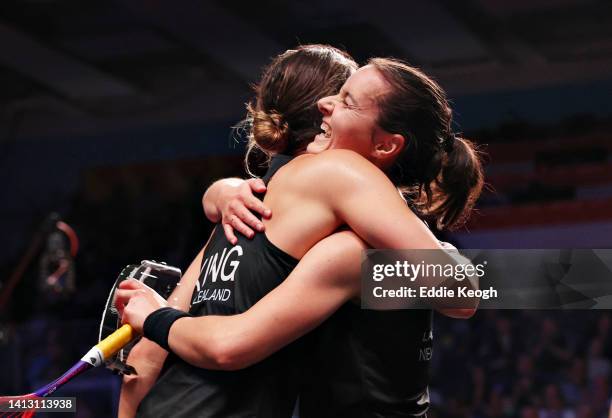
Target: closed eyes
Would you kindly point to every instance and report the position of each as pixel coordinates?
(348, 105)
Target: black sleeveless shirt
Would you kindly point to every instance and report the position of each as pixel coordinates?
(368, 364)
(232, 279)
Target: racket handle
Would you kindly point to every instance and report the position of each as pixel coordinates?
(116, 341)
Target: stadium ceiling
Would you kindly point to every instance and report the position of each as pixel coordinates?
(73, 66)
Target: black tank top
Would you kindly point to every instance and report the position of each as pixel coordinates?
(368, 364)
(232, 279)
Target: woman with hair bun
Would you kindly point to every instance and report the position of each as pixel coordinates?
(283, 117)
(229, 279)
(387, 128)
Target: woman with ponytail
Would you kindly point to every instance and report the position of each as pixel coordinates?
(440, 172)
(387, 128)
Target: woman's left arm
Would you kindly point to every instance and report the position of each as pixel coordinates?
(325, 278)
(146, 356)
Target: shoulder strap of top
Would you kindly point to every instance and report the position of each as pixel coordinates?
(276, 163)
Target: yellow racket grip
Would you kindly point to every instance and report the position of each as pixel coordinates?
(116, 341)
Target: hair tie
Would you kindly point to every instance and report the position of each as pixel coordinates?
(449, 142)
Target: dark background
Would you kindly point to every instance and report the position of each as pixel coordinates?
(118, 114)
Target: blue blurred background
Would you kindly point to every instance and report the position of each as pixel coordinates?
(117, 115)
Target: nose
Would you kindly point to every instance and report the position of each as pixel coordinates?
(326, 105)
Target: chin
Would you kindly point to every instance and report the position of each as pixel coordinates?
(317, 146)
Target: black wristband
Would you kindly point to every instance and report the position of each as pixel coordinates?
(157, 325)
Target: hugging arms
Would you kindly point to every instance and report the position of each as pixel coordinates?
(327, 276)
(327, 190)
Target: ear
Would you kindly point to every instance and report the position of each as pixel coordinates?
(389, 146)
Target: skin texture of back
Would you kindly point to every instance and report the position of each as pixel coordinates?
(288, 193)
(336, 188)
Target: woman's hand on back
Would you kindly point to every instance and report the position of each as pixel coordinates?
(232, 203)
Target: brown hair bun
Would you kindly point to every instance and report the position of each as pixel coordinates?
(283, 117)
(268, 129)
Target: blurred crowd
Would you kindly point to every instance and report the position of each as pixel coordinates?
(523, 364)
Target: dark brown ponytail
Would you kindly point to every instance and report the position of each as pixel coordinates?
(440, 173)
(459, 184)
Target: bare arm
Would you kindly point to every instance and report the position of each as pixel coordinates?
(325, 278)
(147, 357)
(363, 196)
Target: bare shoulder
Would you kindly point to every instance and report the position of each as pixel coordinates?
(341, 158)
(337, 168)
(339, 155)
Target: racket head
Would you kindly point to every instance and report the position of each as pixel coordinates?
(160, 277)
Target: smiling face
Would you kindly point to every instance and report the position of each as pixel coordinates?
(350, 117)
